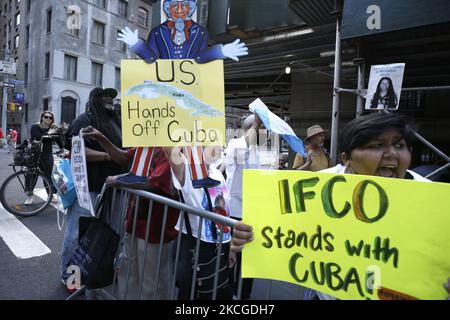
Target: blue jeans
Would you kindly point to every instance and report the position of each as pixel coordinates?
(70, 242)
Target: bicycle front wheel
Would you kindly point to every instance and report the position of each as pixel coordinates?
(26, 193)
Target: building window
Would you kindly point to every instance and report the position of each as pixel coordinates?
(47, 65)
(143, 17)
(70, 67)
(17, 20)
(99, 32)
(16, 42)
(123, 8)
(49, 20)
(100, 3)
(117, 79)
(121, 46)
(27, 36)
(97, 73)
(68, 109)
(28, 5)
(25, 73)
(46, 100)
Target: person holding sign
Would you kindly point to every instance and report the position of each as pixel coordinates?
(99, 114)
(374, 145)
(181, 38)
(158, 180)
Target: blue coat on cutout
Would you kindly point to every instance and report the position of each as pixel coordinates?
(160, 46)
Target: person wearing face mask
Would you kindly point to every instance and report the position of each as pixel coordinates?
(100, 114)
(46, 131)
(318, 158)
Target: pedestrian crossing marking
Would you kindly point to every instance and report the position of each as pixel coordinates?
(20, 240)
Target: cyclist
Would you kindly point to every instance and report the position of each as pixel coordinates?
(46, 131)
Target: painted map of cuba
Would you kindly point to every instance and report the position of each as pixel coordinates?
(172, 102)
(184, 99)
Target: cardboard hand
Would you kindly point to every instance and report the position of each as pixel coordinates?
(234, 50)
(128, 36)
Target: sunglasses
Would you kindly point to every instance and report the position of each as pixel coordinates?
(47, 117)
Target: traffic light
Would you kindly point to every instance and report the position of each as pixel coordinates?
(11, 106)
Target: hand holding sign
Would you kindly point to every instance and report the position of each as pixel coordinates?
(90, 133)
(242, 234)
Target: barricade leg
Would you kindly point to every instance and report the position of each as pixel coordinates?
(150, 290)
(128, 265)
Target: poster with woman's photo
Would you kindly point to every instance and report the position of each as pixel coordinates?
(385, 85)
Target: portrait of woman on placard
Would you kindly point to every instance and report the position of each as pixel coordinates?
(384, 97)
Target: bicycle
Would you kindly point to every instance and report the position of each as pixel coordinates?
(27, 191)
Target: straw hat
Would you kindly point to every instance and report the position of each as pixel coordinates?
(313, 131)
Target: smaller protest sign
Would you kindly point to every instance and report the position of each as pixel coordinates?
(385, 85)
(79, 173)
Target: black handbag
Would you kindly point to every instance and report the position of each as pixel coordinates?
(206, 265)
(97, 247)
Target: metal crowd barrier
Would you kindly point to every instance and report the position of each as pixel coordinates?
(120, 200)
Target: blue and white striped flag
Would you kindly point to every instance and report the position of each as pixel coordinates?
(277, 125)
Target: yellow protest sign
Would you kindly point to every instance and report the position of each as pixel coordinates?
(172, 102)
(349, 236)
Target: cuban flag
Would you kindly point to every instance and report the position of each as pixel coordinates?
(277, 125)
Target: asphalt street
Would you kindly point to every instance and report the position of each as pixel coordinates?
(35, 277)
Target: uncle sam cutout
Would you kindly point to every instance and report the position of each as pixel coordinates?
(179, 37)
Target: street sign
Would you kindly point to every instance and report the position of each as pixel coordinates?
(19, 97)
(8, 67)
(18, 82)
(7, 85)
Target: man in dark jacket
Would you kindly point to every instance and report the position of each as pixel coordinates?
(99, 114)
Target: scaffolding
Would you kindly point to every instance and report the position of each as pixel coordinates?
(360, 92)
